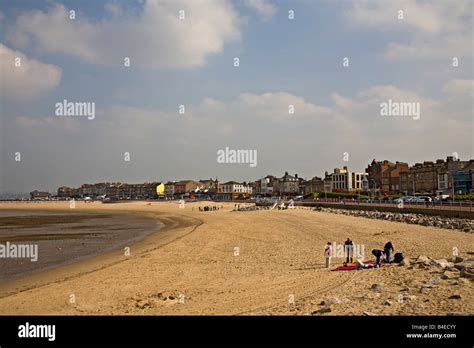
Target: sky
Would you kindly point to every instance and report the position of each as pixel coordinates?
(406, 51)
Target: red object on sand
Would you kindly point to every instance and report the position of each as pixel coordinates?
(352, 266)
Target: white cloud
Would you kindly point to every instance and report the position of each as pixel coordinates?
(167, 145)
(156, 38)
(47, 124)
(30, 79)
(434, 30)
(113, 8)
(263, 8)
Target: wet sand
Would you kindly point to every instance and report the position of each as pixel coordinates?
(191, 267)
(64, 237)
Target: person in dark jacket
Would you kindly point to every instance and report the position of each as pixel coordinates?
(388, 249)
(348, 249)
(378, 255)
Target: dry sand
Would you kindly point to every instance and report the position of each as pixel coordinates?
(192, 260)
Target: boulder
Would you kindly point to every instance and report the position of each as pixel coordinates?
(442, 263)
(466, 274)
(465, 265)
(422, 259)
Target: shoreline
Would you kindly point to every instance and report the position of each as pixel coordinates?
(64, 237)
(90, 264)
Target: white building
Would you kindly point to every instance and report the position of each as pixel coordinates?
(344, 180)
(235, 187)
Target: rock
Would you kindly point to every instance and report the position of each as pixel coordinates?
(444, 276)
(330, 301)
(425, 287)
(458, 259)
(369, 314)
(409, 297)
(435, 280)
(322, 310)
(465, 265)
(455, 297)
(376, 287)
(466, 274)
(403, 263)
(422, 259)
(428, 286)
(442, 263)
(387, 303)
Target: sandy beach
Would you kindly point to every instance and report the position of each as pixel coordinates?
(249, 263)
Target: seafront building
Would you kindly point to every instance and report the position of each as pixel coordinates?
(431, 177)
(231, 190)
(315, 184)
(287, 185)
(381, 178)
(344, 180)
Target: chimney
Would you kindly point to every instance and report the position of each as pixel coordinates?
(296, 176)
(286, 173)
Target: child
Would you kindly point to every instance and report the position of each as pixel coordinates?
(328, 254)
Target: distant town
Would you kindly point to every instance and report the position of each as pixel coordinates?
(448, 177)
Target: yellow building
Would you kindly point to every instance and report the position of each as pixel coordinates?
(160, 189)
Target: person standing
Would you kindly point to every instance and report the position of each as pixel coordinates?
(328, 254)
(388, 249)
(348, 248)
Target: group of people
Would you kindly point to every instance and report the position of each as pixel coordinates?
(210, 208)
(387, 251)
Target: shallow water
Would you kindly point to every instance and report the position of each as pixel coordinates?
(62, 237)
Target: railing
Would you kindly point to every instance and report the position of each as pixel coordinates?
(447, 204)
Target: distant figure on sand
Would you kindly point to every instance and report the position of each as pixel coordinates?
(348, 249)
(328, 254)
(427, 202)
(388, 248)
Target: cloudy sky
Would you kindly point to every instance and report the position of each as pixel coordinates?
(424, 57)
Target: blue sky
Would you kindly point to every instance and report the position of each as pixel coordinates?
(282, 61)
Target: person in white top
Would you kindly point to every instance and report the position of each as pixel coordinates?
(328, 254)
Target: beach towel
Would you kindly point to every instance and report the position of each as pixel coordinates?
(353, 265)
